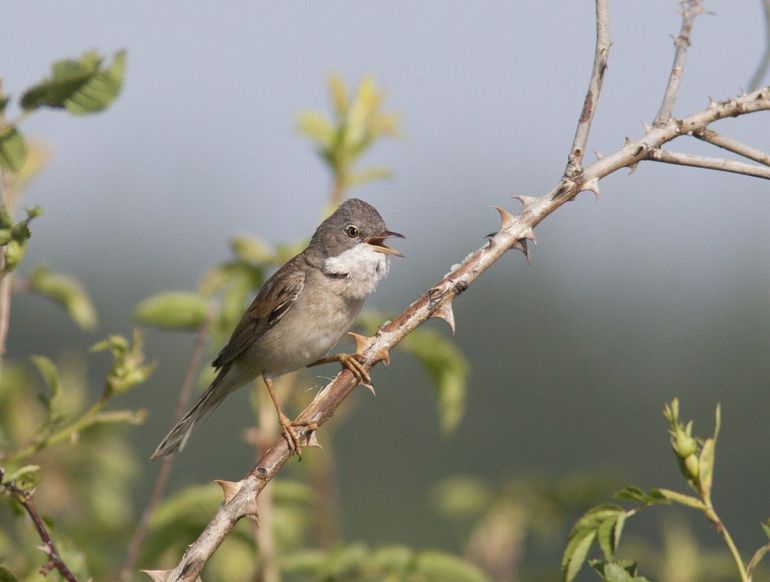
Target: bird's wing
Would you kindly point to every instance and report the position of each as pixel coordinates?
(271, 303)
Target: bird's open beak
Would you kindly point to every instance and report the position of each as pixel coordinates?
(378, 242)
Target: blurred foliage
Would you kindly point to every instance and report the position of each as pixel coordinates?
(441, 359)
(72, 454)
(357, 123)
(602, 525)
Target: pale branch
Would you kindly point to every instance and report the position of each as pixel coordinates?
(49, 547)
(515, 230)
(690, 11)
(601, 54)
(720, 164)
(764, 64)
(733, 145)
(164, 473)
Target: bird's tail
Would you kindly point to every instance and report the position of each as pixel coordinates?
(176, 439)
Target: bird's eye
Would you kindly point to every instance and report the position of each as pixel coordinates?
(351, 231)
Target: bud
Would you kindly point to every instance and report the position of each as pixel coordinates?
(691, 467)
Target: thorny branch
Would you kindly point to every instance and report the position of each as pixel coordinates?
(577, 151)
(164, 473)
(690, 11)
(240, 497)
(732, 166)
(733, 145)
(49, 547)
(515, 231)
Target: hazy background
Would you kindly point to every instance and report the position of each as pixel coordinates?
(662, 288)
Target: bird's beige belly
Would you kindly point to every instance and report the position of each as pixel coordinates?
(273, 355)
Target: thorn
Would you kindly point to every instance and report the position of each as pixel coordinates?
(158, 575)
(229, 488)
(529, 234)
(712, 104)
(362, 342)
(446, 313)
(593, 186)
(312, 439)
(526, 201)
(632, 168)
(522, 246)
(507, 218)
(598, 155)
(647, 127)
(626, 141)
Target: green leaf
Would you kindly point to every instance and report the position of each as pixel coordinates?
(251, 250)
(592, 518)
(25, 478)
(680, 498)
(13, 149)
(766, 528)
(67, 292)
(447, 368)
(6, 576)
(81, 86)
(128, 368)
(368, 175)
(706, 467)
(575, 554)
(617, 571)
(50, 374)
(605, 533)
(392, 560)
(436, 566)
(4, 100)
(316, 127)
(173, 310)
(634, 493)
(462, 497)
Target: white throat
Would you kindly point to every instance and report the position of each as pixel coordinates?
(361, 266)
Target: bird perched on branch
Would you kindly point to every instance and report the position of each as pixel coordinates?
(300, 313)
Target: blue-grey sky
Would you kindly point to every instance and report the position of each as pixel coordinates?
(662, 287)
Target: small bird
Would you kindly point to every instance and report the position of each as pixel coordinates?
(300, 313)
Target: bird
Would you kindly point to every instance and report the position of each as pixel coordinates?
(299, 315)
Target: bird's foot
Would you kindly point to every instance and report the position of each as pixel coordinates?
(355, 362)
(288, 430)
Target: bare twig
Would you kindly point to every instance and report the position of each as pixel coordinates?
(49, 547)
(690, 11)
(723, 165)
(161, 480)
(577, 151)
(514, 231)
(764, 64)
(268, 428)
(733, 145)
(5, 277)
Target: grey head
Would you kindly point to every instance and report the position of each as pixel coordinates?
(354, 222)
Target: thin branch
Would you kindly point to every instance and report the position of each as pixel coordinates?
(164, 473)
(733, 145)
(5, 277)
(265, 541)
(49, 547)
(514, 231)
(577, 151)
(764, 64)
(735, 167)
(690, 11)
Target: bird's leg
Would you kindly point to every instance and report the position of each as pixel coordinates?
(287, 425)
(355, 362)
